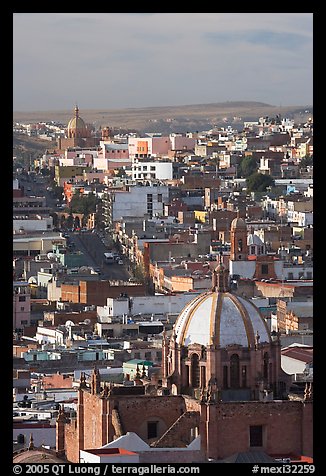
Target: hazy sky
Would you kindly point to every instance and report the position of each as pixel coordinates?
(120, 60)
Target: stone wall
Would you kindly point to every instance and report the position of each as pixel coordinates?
(287, 427)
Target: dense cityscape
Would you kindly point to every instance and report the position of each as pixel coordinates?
(163, 294)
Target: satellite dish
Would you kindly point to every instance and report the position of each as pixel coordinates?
(84, 269)
(69, 324)
(51, 255)
(87, 321)
(32, 280)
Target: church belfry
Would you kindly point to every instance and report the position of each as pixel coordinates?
(239, 247)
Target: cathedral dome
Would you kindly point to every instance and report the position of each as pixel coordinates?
(238, 223)
(76, 125)
(222, 319)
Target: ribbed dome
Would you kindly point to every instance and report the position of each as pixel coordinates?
(238, 223)
(76, 123)
(220, 318)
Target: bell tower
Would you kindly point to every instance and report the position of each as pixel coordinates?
(239, 247)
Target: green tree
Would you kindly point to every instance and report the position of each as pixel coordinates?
(85, 204)
(57, 191)
(139, 273)
(69, 221)
(306, 161)
(257, 182)
(247, 166)
(45, 172)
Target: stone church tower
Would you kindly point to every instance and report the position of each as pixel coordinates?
(239, 247)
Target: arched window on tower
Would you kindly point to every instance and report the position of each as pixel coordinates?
(266, 365)
(195, 371)
(240, 244)
(225, 376)
(234, 371)
(203, 377)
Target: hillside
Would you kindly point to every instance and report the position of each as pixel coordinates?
(25, 147)
(169, 119)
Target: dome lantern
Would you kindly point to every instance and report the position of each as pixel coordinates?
(220, 277)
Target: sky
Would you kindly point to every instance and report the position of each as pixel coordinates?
(135, 60)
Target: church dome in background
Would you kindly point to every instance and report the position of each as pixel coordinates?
(238, 223)
(76, 126)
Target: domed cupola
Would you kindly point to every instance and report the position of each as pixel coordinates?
(76, 126)
(220, 318)
(221, 337)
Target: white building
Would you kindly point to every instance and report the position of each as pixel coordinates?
(46, 335)
(138, 201)
(151, 170)
(145, 305)
(36, 223)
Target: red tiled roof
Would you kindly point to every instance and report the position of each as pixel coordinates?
(110, 451)
(304, 354)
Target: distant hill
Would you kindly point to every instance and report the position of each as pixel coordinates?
(167, 119)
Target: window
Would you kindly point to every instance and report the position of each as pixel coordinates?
(256, 436)
(137, 355)
(152, 429)
(264, 269)
(159, 197)
(195, 371)
(234, 371)
(266, 365)
(203, 376)
(22, 298)
(225, 376)
(148, 355)
(290, 275)
(22, 309)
